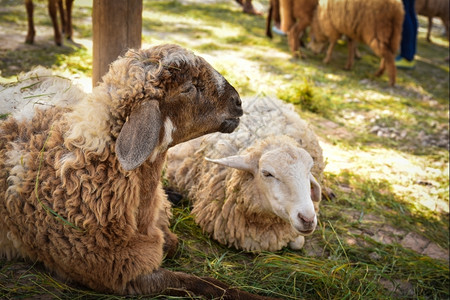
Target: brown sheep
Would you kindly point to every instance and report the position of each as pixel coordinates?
(377, 23)
(434, 8)
(65, 11)
(80, 186)
(295, 17)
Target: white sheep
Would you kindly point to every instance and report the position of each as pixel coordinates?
(257, 189)
(39, 88)
(80, 185)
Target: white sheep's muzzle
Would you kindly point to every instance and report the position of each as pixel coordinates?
(304, 223)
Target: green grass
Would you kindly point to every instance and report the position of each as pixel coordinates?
(386, 149)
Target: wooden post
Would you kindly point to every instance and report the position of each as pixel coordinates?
(117, 26)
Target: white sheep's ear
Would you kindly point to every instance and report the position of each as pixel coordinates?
(316, 190)
(139, 135)
(240, 162)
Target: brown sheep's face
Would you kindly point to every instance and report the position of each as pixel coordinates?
(182, 97)
(202, 104)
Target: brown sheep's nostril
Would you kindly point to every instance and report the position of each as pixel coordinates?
(238, 107)
(238, 102)
(305, 219)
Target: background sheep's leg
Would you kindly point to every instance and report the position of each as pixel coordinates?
(382, 67)
(287, 19)
(68, 26)
(62, 14)
(390, 66)
(388, 62)
(351, 53)
(294, 35)
(430, 26)
(330, 51)
(52, 12)
(269, 20)
(182, 284)
(446, 23)
(31, 32)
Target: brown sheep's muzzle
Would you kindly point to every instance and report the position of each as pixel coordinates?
(229, 125)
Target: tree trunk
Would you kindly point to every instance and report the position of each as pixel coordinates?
(117, 26)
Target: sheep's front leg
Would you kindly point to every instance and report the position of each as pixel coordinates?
(298, 243)
(166, 282)
(170, 242)
(295, 34)
(327, 58)
(68, 25)
(52, 10)
(430, 26)
(170, 239)
(351, 53)
(31, 32)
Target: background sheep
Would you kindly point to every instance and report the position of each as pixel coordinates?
(434, 8)
(378, 23)
(257, 195)
(80, 188)
(65, 12)
(296, 16)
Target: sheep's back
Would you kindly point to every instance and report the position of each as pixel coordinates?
(38, 89)
(432, 8)
(361, 20)
(266, 117)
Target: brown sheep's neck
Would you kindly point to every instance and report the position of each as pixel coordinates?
(151, 193)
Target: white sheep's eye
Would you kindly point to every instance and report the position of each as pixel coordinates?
(266, 173)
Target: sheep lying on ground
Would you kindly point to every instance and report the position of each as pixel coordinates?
(80, 186)
(39, 88)
(65, 12)
(378, 23)
(257, 189)
(434, 8)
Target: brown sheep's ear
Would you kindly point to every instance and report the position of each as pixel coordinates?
(139, 135)
(316, 190)
(240, 162)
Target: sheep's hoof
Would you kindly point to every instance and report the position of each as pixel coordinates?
(170, 244)
(296, 54)
(379, 73)
(298, 243)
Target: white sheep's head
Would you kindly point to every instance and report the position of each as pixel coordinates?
(281, 174)
(167, 95)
